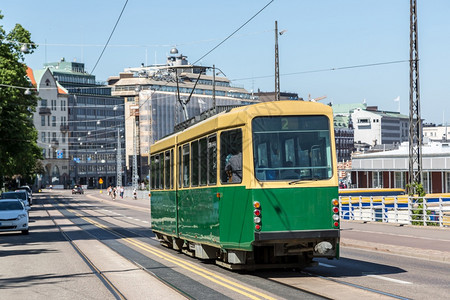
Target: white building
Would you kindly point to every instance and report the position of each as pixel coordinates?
(436, 133)
(389, 169)
(50, 120)
(374, 127)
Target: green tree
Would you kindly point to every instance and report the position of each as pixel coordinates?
(18, 148)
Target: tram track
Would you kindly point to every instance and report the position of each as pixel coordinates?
(106, 282)
(115, 291)
(209, 276)
(311, 284)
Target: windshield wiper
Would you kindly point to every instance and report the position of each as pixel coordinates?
(296, 181)
(301, 180)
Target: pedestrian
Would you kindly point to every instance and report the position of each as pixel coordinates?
(121, 190)
(114, 191)
(109, 191)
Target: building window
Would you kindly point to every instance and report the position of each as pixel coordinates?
(42, 120)
(426, 182)
(377, 179)
(398, 180)
(53, 121)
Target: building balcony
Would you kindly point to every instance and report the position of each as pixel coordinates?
(55, 143)
(45, 111)
(64, 128)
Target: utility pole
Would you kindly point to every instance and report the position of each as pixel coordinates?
(277, 66)
(415, 122)
(214, 88)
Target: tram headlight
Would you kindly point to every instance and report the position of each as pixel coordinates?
(257, 220)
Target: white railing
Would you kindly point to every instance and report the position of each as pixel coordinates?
(425, 211)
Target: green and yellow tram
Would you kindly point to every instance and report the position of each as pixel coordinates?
(251, 187)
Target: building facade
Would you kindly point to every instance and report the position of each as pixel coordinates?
(434, 132)
(158, 97)
(51, 122)
(389, 169)
(95, 127)
(374, 127)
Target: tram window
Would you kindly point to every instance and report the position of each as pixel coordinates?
(212, 159)
(292, 147)
(231, 156)
(261, 161)
(180, 175)
(203, 161)
(161, 171)
(157, 171)
(195, 163)
(171, 168)
(186, 165)
(167, 170)
(153, 172)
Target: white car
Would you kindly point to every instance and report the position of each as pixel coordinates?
(13, 215)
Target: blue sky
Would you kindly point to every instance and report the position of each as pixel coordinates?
(321, 35)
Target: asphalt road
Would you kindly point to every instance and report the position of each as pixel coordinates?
(91, 247)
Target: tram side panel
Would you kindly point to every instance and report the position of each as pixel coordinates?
(164, 212)
(236, 218)
(199, 215)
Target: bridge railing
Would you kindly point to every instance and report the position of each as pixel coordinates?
(403, 209)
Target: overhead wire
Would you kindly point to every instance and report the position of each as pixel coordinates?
(229, 36)
(327, 70)
(112, 32)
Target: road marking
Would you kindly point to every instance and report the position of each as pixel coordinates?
(145, 222)
(389, 279)
(326, 265)
(234, 286)
(402, 235)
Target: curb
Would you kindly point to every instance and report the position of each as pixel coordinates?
(433, 255)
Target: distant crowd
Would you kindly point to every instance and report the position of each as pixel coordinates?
(113, 191)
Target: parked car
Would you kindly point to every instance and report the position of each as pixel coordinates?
(19, 194)
(26, 187)
(13, 216)
(28, 190)
(77, 190)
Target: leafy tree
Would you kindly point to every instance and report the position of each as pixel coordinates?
(18, 148)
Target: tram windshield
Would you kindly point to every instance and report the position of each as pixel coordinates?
(292, 148)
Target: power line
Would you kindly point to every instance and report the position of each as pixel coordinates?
(107, 42)
(328, 70)
(148, 45)
(233, 32)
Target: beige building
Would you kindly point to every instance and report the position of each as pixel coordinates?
(158, 97)
(51, 122)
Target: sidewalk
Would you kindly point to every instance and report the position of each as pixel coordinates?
(430, 243)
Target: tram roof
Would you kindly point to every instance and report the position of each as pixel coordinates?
(240, 116)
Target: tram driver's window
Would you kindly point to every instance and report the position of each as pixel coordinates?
(231, 156)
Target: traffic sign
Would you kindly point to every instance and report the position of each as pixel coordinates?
(100, 181)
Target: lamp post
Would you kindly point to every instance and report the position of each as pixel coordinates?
(119, 159)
